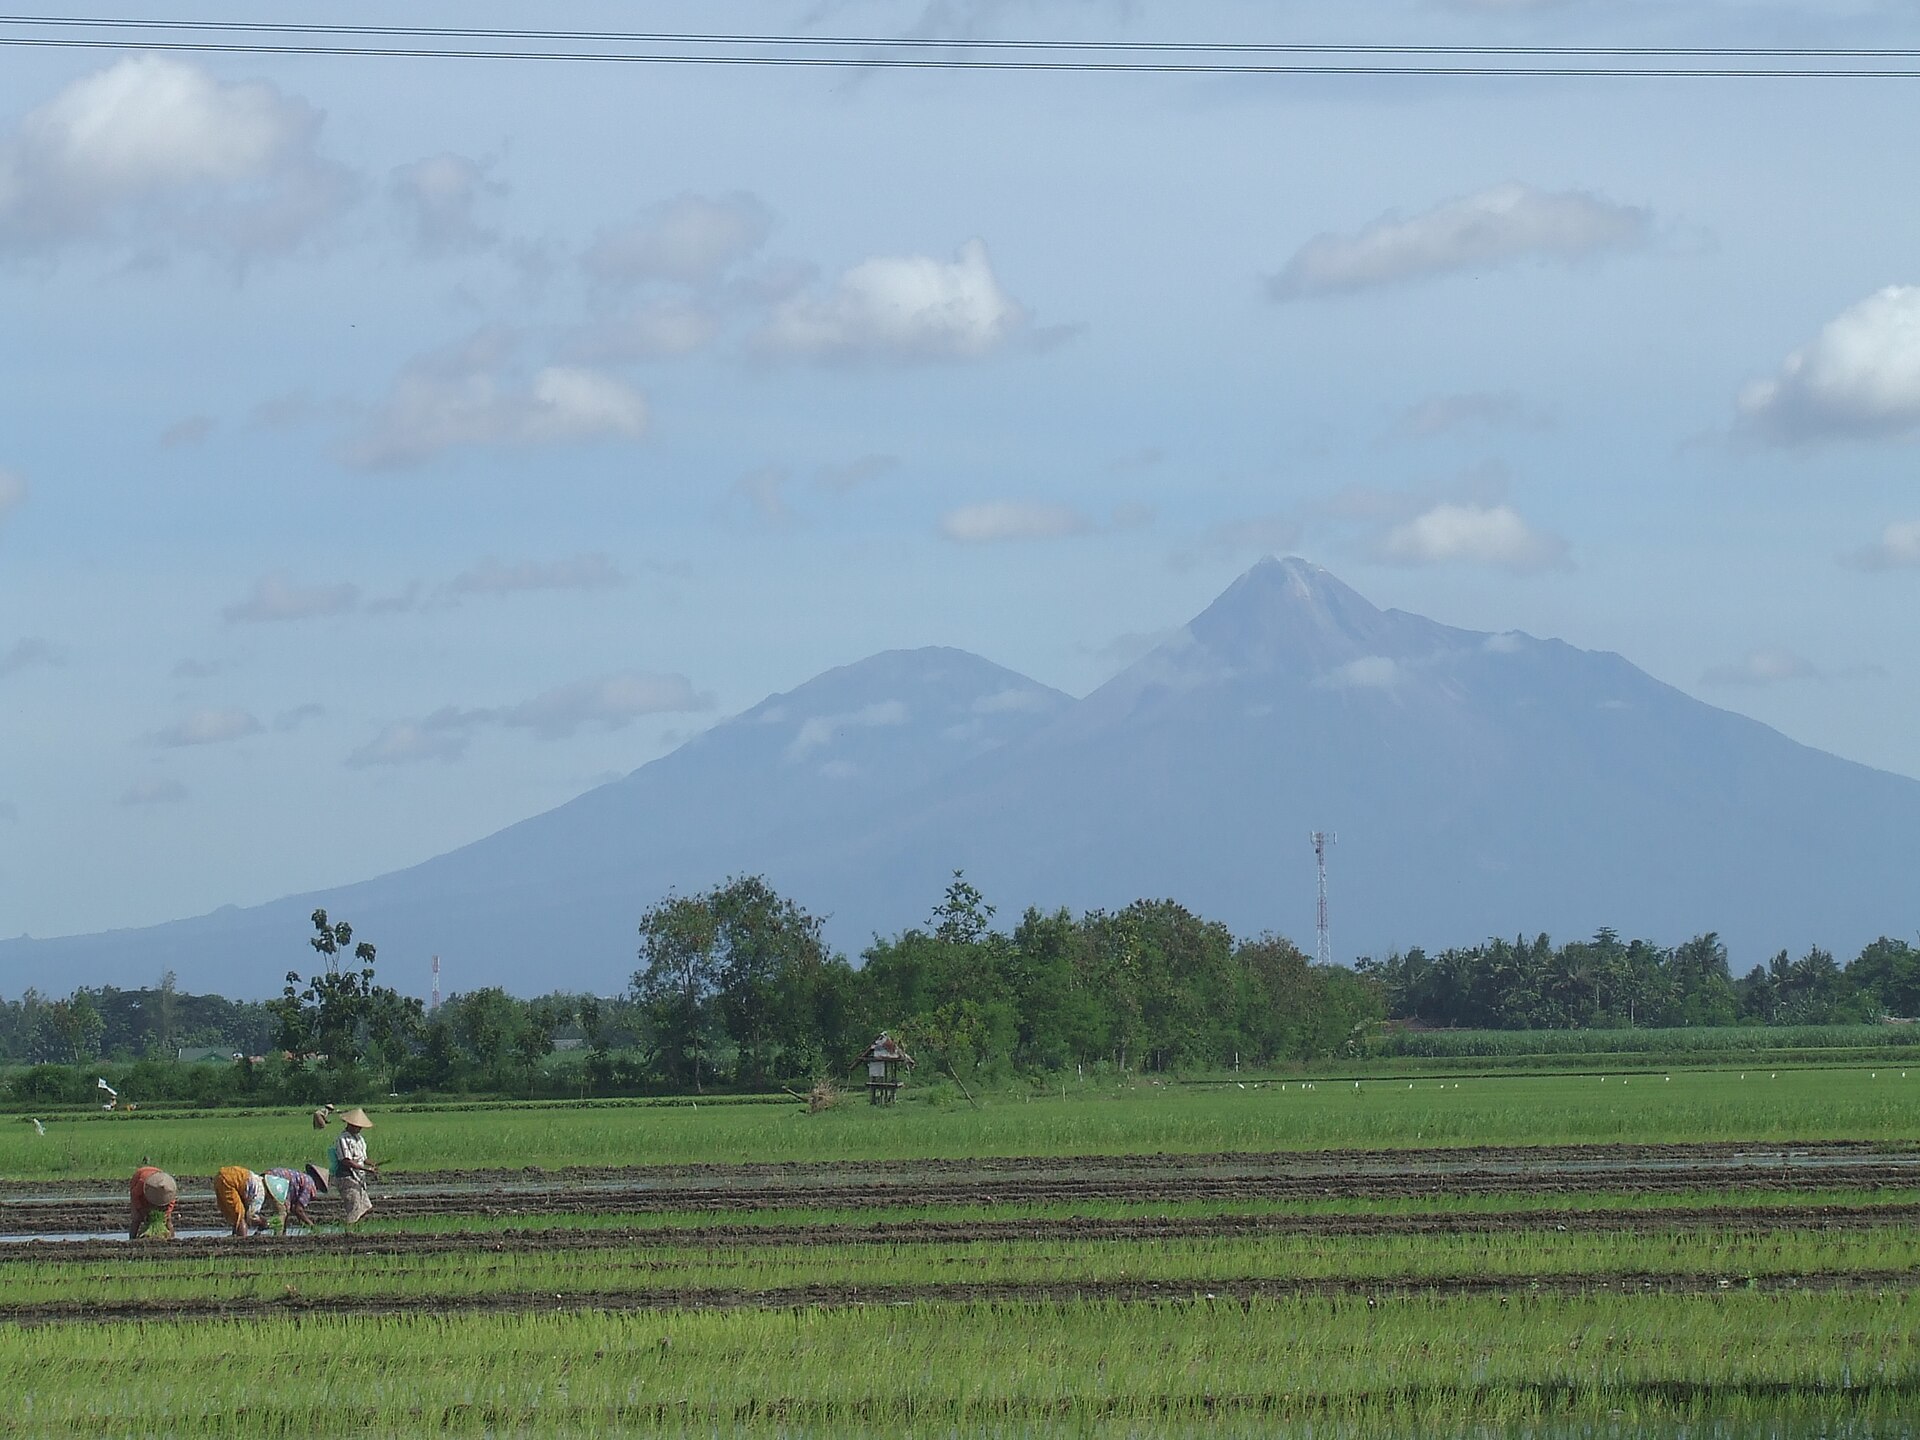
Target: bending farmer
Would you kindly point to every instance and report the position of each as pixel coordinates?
(292, 1191)
(154, 1195)
(240, 1193)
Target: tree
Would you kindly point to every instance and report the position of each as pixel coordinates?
(1889, 971)
(344, 1015)
(68, 1031)
(679, 972)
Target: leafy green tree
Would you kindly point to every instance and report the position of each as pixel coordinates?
(675, 985)
(67, 1031)
(343, 1014)
(1889, 972)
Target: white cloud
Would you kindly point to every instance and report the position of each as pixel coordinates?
(1369, 672)
(25, 654)
(1443, 413)
(207, 727)
(1859, 378)
(763, 493)
(153, 792)
(690, 240)
(153, 149)
(569, 403)
(438, 198)
(465, 396)
(911, 307)
(442, 736)
(608, 704)
(1494, 227)
(492, 576)
(274, 598)
(1898, 549)
(1763, 667)
(822, 729)
(13, 490)
(1012, 520)
(1490, 535)
(1018, 702)
(1774, 665)
(293, 719)
(1250, 534)
(662, 329)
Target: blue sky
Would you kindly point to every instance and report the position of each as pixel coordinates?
(393, 449)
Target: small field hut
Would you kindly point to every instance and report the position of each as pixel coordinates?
(886, 1060)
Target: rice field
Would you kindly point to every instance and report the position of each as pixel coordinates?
(1526, 1255)
(1873, 1104)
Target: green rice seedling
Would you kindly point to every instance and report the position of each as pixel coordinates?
(1692, 1107)
(1596, 1365)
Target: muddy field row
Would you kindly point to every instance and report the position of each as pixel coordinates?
(1213, 1291)
(1724, 1219)
(1530, 1160)
(99, 1206)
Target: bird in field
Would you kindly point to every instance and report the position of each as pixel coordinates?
(39, 1128)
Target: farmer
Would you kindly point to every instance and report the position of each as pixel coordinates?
(292, 1191)
(351, 1166)
(154, 1194)
(240, 1194)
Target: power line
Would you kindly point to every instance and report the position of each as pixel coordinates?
(1237, 47)
(1645, 72)
(890, 52)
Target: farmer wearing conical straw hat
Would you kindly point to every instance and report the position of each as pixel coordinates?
(351, 1166)
(154, 1194)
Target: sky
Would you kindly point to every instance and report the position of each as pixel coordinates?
(394, 448)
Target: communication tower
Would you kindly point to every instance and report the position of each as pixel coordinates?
(1322, 839)
(436, 982)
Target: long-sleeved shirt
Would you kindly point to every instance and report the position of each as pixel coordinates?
(300, 1186)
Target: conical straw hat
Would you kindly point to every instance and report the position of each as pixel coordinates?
(357, 1118)
(160, 1189)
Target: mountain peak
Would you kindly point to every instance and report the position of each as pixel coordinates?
(1291, 610)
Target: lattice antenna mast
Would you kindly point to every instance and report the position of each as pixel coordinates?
(1321, 840)
(436, 986)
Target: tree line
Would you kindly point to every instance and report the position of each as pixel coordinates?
(1607, 982)
(736, 988)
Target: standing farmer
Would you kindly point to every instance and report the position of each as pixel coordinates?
(351, 1166)
(154, 1194)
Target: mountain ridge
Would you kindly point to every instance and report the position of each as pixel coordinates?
(1480, 783)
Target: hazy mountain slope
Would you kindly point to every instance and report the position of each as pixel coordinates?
(554, 900)
(1478, 784)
